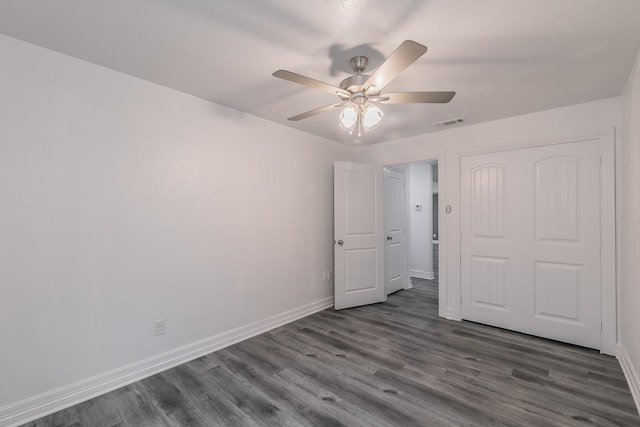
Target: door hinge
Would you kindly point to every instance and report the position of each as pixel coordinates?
(600, 326)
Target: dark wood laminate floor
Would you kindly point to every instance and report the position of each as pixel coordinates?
(392, 364)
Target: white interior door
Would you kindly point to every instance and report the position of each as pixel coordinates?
(394, 220)
(359, 235)
(530, 250)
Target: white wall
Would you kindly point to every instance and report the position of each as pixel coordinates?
(123, 202)
(599, 117)
(421, 236)
(629, 227)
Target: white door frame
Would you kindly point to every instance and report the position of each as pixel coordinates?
(609, 288)
(439, 157)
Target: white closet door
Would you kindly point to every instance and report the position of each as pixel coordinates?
(530, 250)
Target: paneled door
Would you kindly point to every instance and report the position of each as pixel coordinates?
(394, 219)
(358, 235)
(531, 243)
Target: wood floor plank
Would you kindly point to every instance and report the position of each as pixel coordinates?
(390, 364)
(213, 408)
(314, 411)
(170, 401)
(359, 389)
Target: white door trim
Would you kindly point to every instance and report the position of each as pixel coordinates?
(610, 289)
(445, 306)
(608, 256)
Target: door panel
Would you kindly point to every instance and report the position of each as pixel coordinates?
(360, 269)
(557, 288)
(396, 274)
(487, 262)
(530, 249)
(489, 201)
(359, 235)
(360, 203)
(556, 198)
(488, 282)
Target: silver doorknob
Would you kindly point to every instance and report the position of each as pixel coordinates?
(340, 242)
(389, 238)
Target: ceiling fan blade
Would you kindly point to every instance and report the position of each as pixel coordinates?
(417, 97)
(306, 81)
(406, 54)
(316, 111)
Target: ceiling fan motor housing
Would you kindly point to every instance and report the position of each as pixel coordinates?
(355, 84)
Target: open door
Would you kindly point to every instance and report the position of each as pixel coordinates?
(394, 220)
(359, 235)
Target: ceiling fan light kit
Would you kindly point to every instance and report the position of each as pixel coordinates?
(360, 94)
(363, 117)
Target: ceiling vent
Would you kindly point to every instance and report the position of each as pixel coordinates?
(449, 122)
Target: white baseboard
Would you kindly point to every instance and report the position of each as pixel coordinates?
(428, 275)
(55, 400)
(630, 374)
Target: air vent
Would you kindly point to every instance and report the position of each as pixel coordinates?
(450, 122)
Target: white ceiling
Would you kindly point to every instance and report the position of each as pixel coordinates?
(502, 57)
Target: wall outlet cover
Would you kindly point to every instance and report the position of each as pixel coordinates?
(159, 327)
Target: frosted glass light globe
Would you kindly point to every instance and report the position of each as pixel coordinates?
(371, 117)
(349, 117)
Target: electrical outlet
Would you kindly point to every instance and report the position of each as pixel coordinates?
(159, 327)
(330, 275)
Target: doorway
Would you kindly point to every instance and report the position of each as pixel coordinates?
(412, 211)
(365, 243)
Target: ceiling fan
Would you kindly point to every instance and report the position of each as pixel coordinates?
(361, 93)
